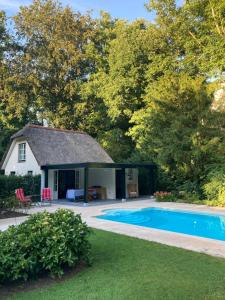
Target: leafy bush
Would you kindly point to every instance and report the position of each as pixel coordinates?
(46, 242)
(190, 189)
(8, 185)
(214, 188)
(188, 197)
(8, 203)
(164, 196)
(221, 195)
(215, 180)
(220, 199)
(164, 181)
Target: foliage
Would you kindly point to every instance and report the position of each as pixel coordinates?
(191, 190)
(46, 75)
(164, 196)
(164, 181)
(215, 180)
(3, 34)
(120, 81)
(30, 184)
(5, 134)
(178, 128)
(46, 242)
(214, 187)
(116, 143)
(188, 197)
(8, 203)
(221, 196)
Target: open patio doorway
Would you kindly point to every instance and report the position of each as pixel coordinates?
(120, 184)
(66, 181)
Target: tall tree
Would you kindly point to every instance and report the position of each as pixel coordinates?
(46, 75)
(179, 129)
(6, 45)
(177, 126)
(3, 34)
(120, 80)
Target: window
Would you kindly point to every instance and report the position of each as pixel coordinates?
(77, 179)
(30, 173)
(22, 152)
(12, 173)
(55, 181)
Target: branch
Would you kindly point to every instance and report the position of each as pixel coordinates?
(216, 24)
(195, 38)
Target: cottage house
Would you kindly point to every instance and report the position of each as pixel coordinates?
(71, 163)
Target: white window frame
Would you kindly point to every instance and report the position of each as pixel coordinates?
(22, 152)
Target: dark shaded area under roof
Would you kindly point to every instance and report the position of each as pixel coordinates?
(57, 146)
(97, 165)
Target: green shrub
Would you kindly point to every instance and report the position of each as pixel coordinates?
(164, 196)
(164, 181)
(188, 197)
(190, 189)
(8, 202)
(46, 242)
(214, 188)
(8, 185)
(220, 199)
(215, 180)
(221, 195)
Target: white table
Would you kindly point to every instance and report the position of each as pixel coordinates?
(73, 193)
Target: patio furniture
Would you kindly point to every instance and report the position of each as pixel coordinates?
(101, 192)
(132, 190)
(24, 201)
(46, 195)
(92, 194)
(74, 194)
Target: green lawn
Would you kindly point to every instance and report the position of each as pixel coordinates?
(128, 268)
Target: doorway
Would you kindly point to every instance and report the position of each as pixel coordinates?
(66, 181)
(120, 184)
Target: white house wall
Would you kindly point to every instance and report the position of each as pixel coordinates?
(105, 178)
(21, 168)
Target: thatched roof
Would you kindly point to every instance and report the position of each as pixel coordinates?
(58, 146)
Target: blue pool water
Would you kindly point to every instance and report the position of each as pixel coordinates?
(198, 224)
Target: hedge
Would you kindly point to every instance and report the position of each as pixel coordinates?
(46, 243)
(30, 184)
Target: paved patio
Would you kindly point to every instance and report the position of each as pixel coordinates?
(88, 213)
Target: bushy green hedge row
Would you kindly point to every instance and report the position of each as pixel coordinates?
(46, 242)
(30, 184)
(210, 191)
(214, 188)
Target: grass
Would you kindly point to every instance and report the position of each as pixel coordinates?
(128, 268)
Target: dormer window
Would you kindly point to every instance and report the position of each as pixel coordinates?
(22, 152)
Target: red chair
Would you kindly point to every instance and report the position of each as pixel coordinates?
(24, 200)
(46, 195)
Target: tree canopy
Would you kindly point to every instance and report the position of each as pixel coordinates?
(145, 89)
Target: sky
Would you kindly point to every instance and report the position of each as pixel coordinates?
(126, 9)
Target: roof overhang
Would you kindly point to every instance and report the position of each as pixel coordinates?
(99, 165)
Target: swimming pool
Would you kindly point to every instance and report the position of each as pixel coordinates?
(186, 222)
